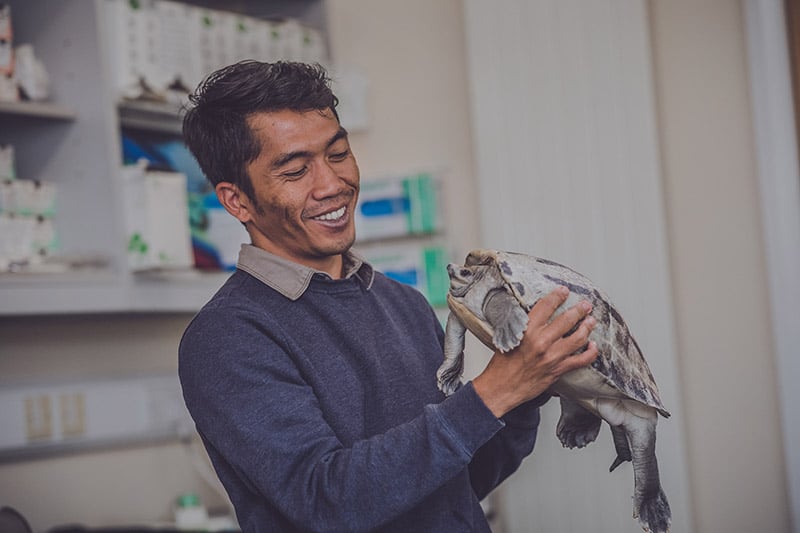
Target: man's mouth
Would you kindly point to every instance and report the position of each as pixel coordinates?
(331, 216)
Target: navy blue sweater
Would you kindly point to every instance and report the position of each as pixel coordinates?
(322, 414)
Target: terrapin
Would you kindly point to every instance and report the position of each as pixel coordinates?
(491, 296)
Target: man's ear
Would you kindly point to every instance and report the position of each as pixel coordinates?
(234, 200)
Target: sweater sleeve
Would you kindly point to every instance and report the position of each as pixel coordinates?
(503, 454)
(253, 406)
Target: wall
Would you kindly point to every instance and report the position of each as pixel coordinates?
(568, 169)
(413, 54)
(717, 261)
(118, 486)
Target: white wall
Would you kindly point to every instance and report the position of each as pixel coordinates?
(779, 187)
(568, 169)
(724, 339)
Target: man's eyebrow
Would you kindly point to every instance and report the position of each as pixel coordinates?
(289, 156)
(341, 134)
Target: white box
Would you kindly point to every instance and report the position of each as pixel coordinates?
(157, 219)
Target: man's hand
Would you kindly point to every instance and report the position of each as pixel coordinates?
(543, 356)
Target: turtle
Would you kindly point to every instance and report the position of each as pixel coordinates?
(491, 294)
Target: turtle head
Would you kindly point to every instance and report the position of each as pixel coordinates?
(461, 278)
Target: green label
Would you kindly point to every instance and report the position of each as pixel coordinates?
(438, 282)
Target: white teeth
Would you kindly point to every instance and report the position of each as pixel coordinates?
(333, 215)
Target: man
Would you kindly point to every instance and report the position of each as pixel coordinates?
(310, 377)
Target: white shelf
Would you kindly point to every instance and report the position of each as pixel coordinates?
(106, 292)
(47, 110)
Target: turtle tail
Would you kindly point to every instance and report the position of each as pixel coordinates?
(621, 446)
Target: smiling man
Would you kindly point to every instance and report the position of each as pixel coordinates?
(312, 378)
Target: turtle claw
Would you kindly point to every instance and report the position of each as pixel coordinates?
(449, 379)
(575, 436)
(654, 514)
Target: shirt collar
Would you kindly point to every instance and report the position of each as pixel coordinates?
(292, 279)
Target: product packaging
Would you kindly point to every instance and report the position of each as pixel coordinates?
(398, 207)
(156, 219)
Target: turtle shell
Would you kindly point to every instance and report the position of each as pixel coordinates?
(620, 361)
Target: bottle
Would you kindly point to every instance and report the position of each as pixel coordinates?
(190, 514)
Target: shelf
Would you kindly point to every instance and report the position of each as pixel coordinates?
(46, 110)
(107, 292)
(150, 116)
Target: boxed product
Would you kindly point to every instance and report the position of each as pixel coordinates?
(424, 267)
(397, 207)
(29, 198)
(7, 166)
(156, 219)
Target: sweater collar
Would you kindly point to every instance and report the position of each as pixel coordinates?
(292, 279)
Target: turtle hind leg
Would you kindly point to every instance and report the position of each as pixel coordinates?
(621, 446)
(650, 504)
(577, 427)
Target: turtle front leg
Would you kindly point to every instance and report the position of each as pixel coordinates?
(507, 318)
(449, 374)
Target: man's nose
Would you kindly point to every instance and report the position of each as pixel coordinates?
(327, 181)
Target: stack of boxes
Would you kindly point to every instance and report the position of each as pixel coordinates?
(163, 49)
(27, 207)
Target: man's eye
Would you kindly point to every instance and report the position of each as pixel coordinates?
(294, 174)
(339, 156)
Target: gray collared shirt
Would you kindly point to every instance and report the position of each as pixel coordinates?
(292, 279)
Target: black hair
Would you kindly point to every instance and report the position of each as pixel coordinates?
(215, 127)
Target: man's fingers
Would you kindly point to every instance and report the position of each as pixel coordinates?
(567, 320)
(577, 339)
(547, 305)
(564, 324)
(579, 360)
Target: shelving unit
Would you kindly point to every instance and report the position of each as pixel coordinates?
(74, 141)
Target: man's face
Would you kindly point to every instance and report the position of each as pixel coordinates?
(305, 184)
